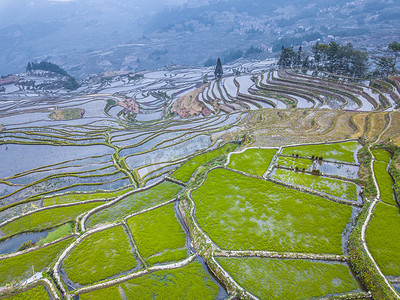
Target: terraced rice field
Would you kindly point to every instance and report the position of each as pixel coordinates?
(189, 282)
(253, 214)
(167, 186)
(382, 238)
(252, 161)
(331, 186)
(158, 235)
(280, 279)
(99, 256)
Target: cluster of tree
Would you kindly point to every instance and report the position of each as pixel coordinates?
(46, 66)
(234, 54)
(339, 59)
(386, 66)
(70, 83)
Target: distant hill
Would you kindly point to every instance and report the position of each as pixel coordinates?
(84, 38)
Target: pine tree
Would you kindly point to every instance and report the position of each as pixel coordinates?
(298, 61)
(395, 47)
(29, 67)
(218, 69)
(385, 66)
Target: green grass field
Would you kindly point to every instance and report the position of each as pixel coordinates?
(189, 282)
(99, 256)
(20, 267)
(385, 182)
(289, 279)
(381, 155)
(338, 151)
(295, 162)
(383, 238)
(331, 186)
(136, 202)
(58, 233)
(47, 218)
(36, 293)
(70, 198)
(186, 170)
(158, 235)
(244, 213)
(252, 161)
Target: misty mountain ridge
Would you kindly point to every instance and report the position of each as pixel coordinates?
(86, 37)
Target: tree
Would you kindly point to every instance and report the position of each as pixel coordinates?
(218, 72)
(70, 83)
(287, 58)
(298, 61)
(29, 67)
(395, 47)
(385, 66)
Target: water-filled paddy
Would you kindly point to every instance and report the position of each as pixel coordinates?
(20, 267)
(345, 151)
(383, 238)
(20, 158)
(136, 202)
(331, 186)
(252, 161)
(290, 279)
(158, 235)
(244, 213)
(104, 253)
(188, 282)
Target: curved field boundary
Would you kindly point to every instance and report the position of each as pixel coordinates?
(239, 289)
(323, 160)
(67, 251)
(7, 294)
(322, 86)
(97, 286)
(149, 209)
(47, 208)
(325, 143)
(244, 149)
(201, 241)
(176, 181)
(329, 82)
(298, 188)
(116, 200)
(36, 248)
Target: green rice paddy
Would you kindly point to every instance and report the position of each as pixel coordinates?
(337, 151)
(292, 162)
(23, 266)
(58, 233)
(252, 161)
(385, 182)
(331, 186)
(383, 238)
(244, 213)
(36, 293)
(189, 282)
(186, 170)
(47, 218)
(136, 202)
(158, 235)
(99, 256)
(381, 155)
(290, 279)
